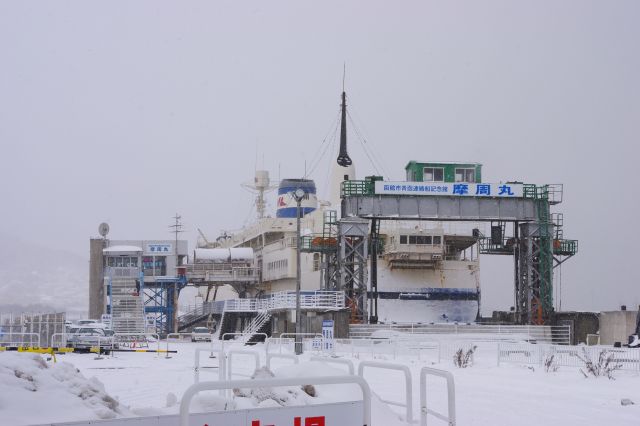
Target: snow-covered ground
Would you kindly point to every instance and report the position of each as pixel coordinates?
(148, 384)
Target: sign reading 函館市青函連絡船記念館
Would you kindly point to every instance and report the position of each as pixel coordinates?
(458, 189)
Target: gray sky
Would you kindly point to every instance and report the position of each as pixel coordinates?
(131, 111)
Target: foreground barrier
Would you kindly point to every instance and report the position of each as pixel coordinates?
(222, 366)
(235, 335)
(230, 357)
(408, 388)
(450, 418)
(344, 414)
(346, 362)
(281, 356)
(14, 341)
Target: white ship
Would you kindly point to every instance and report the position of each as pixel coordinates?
(425, 272)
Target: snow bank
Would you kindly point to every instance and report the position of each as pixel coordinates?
(58, 390)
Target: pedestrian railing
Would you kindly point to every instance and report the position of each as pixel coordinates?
(425, 411)
(408, 404)
(566, 356)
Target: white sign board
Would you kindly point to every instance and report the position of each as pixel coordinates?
(327, 334)
(460, 189)
(106, 320)
(161, 249)
(337, 414)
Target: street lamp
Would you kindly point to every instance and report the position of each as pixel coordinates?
(298, 195)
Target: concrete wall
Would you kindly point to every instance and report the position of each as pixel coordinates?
(96, 288)
(581, 323)
(617, 326)
(312, 323)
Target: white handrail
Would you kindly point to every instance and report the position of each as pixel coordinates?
(450, 418)
(282, 356)
(222, 366)
(346, 362)
(407, 384)
(243, 334)
(193, 390)
(63, 341)
(238, 352)
(22, 340)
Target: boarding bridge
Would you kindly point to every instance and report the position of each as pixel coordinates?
(537, 242)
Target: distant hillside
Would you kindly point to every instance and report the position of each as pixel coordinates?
(34, 277)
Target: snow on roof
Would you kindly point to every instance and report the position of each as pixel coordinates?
(121, 249)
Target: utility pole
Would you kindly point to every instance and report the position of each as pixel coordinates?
(176, 228)
(298, 195)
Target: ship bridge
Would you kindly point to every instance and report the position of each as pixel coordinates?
(221, 266)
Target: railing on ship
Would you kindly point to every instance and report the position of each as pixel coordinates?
(287, 300)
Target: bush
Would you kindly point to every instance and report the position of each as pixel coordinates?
(549, 364)
(462, 359)
(605, 366)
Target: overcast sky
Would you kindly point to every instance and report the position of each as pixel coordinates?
(128, 112)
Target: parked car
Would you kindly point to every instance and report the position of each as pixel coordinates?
(90, 323)
(200, 333)
(88, 337)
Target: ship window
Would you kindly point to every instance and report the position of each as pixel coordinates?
(118, 262)
(403, 239)
(433, 174)
(466, 175)
(420, 239)
(411, 176)
(413, 239)
(437, 240)
(316, 261)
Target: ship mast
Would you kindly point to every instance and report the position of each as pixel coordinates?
(343, 157)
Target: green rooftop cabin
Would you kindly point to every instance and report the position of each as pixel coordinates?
(444, 172)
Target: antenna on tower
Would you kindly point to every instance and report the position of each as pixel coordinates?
(176, 228)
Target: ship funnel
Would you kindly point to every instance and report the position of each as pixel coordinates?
(287, 206)
(343, 157)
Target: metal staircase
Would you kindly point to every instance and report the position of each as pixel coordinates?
(127, 311)
(256, 324)
(200, 313)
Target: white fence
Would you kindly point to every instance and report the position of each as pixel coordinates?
(424, 349)
(287, 300)
(566, 356)
(560, 335)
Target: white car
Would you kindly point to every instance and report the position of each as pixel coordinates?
(84, 338)
(90, 323)
(200, 333)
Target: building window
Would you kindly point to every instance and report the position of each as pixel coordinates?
(466, 175)
(433, 174)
